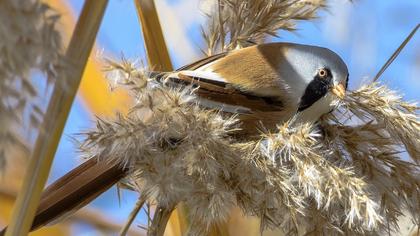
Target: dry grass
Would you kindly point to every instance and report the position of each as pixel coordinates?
(332, 177)
(376, 102)
(29, 42)
(238, 23)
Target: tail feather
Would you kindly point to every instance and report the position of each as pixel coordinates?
(75, 190)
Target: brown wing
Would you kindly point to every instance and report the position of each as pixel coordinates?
(224, 93)
(197, 64)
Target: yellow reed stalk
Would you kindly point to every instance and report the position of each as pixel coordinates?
(220, 229)
(157, 52)
(55, 118)
(181, 217)
(158, 59)
(160, 220)
(139, 204)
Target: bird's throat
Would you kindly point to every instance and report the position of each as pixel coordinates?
(312, 113)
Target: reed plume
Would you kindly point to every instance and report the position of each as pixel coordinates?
(332, 177)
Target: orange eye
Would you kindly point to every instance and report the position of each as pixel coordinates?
(323, 73)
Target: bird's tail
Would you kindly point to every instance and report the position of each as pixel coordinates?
(75, 190)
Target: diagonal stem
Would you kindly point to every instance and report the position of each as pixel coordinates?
(139, 204)
(396, 53)
(55, 118)
(157, 52)
(160, 220)
(158, 59)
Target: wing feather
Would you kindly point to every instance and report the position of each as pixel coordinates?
(205, 61)
(225, 93)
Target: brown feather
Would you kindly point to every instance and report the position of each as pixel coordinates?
(197, 64)
(223, 93)
(76, 189)
(265, 113)
(254, 69)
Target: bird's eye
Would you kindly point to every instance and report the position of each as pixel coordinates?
(323, 73)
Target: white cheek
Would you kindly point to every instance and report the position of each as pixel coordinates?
(316, 110)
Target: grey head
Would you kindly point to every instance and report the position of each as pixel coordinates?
(317, 76)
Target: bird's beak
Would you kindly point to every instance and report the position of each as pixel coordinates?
(339, 91)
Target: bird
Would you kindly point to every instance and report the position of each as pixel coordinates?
(264, 85)
(268, 84)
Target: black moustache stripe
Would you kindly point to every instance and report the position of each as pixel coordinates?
(316, 89)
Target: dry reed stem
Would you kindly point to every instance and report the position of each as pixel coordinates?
(139, 205)
(157, 56)
(56, 116)
(396, 53)
(157, 52)
(160, 220)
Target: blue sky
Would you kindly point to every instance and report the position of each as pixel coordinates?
(365, 33)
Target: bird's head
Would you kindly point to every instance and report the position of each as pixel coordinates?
(323, 78)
